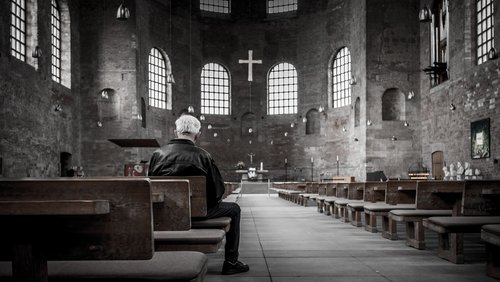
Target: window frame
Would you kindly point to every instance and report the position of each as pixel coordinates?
(215, 8)
(158, 88)
(215, 91)
(485, 26)
(281, 8)
(18, 34)
(341, 75)
(56, 41)
(279, 105)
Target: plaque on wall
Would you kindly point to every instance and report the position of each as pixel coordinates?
(480, 139)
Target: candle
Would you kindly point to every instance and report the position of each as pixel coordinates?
(312, 159)
(286, 160)
(337, 158)
(261, 166)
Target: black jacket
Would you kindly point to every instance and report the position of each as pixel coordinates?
(180, 157)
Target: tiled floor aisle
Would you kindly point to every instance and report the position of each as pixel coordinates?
(282, 241)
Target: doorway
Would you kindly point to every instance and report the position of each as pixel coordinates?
(437, 165)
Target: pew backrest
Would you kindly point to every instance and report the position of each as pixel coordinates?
(400, 192)
(356, 191)
(440, 195)
(172, 212)
(63, 219)
(198, 186)
(375, 191)
(481, 197)
(331, 189)
(342, 190)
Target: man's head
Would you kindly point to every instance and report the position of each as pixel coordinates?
(187, 127)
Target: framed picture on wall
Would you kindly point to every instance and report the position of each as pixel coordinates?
(480, 139)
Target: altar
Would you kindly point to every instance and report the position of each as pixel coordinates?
(251, 174)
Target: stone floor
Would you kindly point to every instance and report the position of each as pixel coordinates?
(282, 241)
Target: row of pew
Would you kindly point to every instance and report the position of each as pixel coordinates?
(449, 208)
(107, 228)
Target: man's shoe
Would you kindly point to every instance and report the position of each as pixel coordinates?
(234, 267)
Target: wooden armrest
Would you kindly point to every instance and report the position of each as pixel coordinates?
(63, 207)
(157, 197)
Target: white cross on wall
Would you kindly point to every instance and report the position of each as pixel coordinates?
(250, 63)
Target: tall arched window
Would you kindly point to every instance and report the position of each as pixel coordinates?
(216, 6)
(215, 90)
(55, 40)
(282, 90)
(159, 90)
(485, 29)
(439, 30)
(341, 74)
(18, 29)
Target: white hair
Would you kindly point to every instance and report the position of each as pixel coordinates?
(187, 124)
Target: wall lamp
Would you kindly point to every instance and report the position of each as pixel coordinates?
(37, 52)
(58, 108)
(353, 80)
(492, 54)
(123, 13)
(425, 15)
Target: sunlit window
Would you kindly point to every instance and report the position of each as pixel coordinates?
(282, 90)
(281, 6)
(340, 79)
(55, 23)
(18, 29)
(157, 79)
(485, 29)
(216, 6)
(215, 90)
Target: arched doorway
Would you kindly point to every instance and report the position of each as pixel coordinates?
(437, 165)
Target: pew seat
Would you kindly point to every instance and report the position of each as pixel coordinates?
(213, 223)
(164, 266)
(341, 208)
(354, 212)
(415, 235)
(450, 231)
(491, 235)
(381, 209)
(201, 240)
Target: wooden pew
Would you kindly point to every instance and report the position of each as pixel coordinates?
(84, 219)
(429, 201)
(382, 209)
(331, 197)
(172, 217)
(479, 206)
(491, 235)
(355, 194)
(311, 190)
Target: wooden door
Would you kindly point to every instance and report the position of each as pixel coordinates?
(437, 165)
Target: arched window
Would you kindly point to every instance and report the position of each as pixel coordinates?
(393, 105)
(215, 90)
(55, 40)
(18, 29)
(341, 74)
(485, 32)
(282, 90)
(216, 6)
(439, 30)
(159, 90)
(281, 6)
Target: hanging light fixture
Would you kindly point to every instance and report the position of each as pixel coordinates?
(411, 94)
(304, 119)
(190, 109)
(452, 107)
(406, 124)
(123, 13)
(215, 134)
(492, 54)
(99, 123)
(369, 122)
(58, 108)
(344, 129)
(425, 15)
(394, 138)
(104, 94)
(321, 109)
(209, 126)
(202, 117)
(170, 78)
(353, 80)
(286, 134)
(292, 125)
(250, 130)
(37, 52)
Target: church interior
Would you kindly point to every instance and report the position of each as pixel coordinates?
(360, 86)
(295, 90)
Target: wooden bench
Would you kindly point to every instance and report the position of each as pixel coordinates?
(329, 200)
(355, 193)
(479, 206)
(373, 192)
(311, 190)
(429, 202)
(491, 235)
(85, 219)
(175, 210)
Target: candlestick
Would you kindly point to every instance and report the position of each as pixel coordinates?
(286, 160)
(261, 166)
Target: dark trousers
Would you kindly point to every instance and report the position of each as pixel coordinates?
(233, 211)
